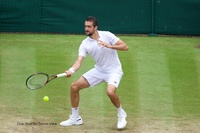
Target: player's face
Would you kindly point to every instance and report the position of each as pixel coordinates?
(89, 28)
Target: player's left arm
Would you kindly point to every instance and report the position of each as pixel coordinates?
(119, 45)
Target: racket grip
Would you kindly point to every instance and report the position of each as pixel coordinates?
(61, 75)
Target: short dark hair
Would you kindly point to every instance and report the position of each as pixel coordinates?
(92, 19)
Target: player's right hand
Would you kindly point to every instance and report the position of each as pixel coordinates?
(69, 73)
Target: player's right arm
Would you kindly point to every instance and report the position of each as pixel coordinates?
(75, 66)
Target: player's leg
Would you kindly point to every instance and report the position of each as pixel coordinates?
(74, 90)
(111, 92)
(113, 79)
(90, 78)
(76, 86)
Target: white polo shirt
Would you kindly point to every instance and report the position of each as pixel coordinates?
(106, 59)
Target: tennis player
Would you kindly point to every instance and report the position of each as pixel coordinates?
(102, 46)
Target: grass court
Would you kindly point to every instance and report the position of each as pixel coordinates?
(160, 89)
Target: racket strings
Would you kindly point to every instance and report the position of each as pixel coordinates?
(37, 81)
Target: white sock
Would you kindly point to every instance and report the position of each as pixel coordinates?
(120, 110)
(75, 113)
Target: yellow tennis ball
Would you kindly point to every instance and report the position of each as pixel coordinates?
(46, 98)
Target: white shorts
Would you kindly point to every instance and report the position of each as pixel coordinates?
(95, 77)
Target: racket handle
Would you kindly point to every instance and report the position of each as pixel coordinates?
(61, 75)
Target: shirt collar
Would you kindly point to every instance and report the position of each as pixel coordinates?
(99, 34)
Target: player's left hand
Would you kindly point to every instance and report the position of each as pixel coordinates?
(104, 44)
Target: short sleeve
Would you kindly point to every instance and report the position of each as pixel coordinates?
(112, 38)
(82, 51)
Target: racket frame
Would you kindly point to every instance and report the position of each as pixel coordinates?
(47, 81)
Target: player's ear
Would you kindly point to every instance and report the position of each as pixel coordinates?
(96, 27)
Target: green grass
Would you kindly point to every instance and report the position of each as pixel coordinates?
(160, 89)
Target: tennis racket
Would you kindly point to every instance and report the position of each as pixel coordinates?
(38, 80)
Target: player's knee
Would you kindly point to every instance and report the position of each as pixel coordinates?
(110, 93)
(74, 87)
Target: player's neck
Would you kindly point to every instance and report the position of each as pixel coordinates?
(95, 35)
